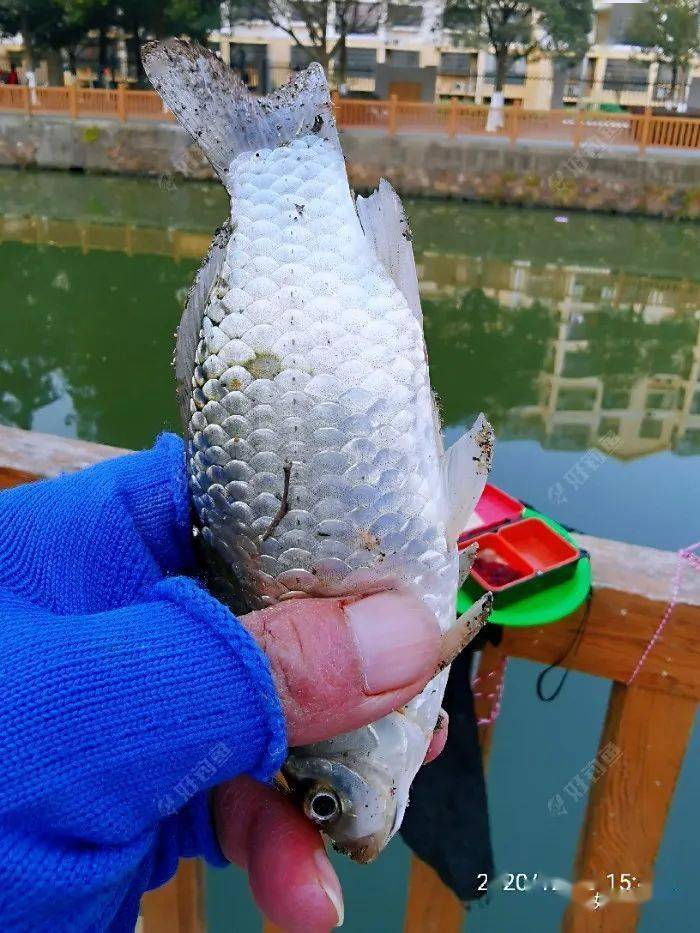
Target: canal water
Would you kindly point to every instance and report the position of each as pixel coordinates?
(575, 333)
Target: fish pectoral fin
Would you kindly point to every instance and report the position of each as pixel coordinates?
(466, 468)
(385, 225)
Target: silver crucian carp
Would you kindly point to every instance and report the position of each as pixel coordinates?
(315, 457)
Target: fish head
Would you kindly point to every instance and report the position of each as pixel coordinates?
(351, 801)
(354, 787)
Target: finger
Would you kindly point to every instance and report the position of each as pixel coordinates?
(437, 743)
(339, 664)
(292, 881)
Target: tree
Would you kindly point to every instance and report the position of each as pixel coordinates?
(514, 29)
(319, 27)
(48, 28)
(352, 16)
(143, 19)
(669, 28)
(99, 16)
(44, 25)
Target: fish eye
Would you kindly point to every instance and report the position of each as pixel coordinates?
(322, 806)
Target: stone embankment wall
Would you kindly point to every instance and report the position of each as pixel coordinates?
(660, 183)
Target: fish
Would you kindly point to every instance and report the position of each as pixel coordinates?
(314, 449)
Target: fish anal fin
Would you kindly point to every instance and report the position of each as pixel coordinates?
(466, 562)
(466, 468)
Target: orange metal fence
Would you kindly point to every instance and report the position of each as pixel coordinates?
(591, 130)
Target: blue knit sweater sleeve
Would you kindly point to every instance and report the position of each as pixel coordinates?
(127, 694)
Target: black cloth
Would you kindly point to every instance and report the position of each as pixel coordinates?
(447, 822)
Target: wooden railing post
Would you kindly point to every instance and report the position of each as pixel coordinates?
(178, 906)
(392, 114)
(269, 927)
(643, 740)
(431, 907)
(452, 118)
(121, 102)
(644, 134)
(73, 101)
(27, 101)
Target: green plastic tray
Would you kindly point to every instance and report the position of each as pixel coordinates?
(547, 605)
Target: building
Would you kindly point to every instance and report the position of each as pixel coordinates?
(398, 49)
(578, 408)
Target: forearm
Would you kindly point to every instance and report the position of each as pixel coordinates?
(113, 726)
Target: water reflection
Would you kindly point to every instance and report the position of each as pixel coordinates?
(567, 370)
(85, 341)
(554, 351)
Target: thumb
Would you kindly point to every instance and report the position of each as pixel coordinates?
(339, 664)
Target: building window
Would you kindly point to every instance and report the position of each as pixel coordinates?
(609, 426)
(300, 58)
(651, 428)
(249, 61)
(695, 404)
(360, 18)
(400, 58)
(690, 442)
(516, 70)
(247, 12)
(623, 75)
(578, 363)
(404, 14)
(576, 399)
(460, 19)
(456, 63)
(569, 437)
(621, 18)
(665, 400)
(664, 88)
(616, 398)
(361, 63)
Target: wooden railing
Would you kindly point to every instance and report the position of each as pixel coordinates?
(75, 102)
(594, 130)
(648, 723)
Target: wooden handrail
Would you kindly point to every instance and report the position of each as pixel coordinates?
(647, 724)
(599, 129)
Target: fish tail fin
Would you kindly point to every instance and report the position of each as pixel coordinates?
(218, 110)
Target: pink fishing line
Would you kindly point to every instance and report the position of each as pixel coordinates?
(685, 555)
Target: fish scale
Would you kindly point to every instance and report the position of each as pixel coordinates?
(343, 325)
(314, 452)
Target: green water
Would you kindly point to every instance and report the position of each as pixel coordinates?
(572, 333)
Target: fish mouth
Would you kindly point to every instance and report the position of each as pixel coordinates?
(363, 850)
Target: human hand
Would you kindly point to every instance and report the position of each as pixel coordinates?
(337, 665)
(141, 676)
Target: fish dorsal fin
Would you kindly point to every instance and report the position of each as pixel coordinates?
(192, 316)
(385, 225)
(211, 102)
(466, 465)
